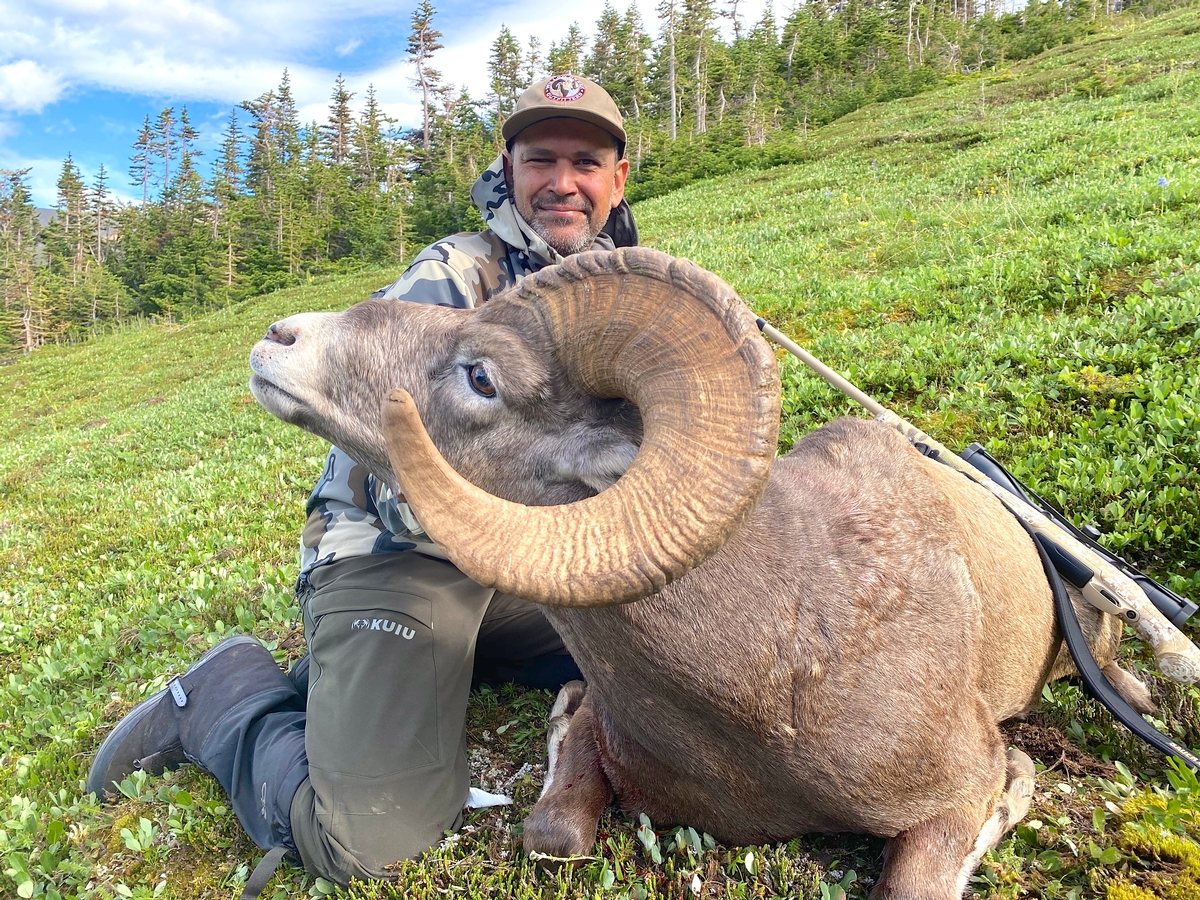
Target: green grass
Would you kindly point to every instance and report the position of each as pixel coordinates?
(996, 260)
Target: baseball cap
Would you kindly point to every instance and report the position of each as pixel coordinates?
(565, 96)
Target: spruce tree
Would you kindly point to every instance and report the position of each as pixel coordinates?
(24, 320)
(370, 150)
(422, 43)
(187, 138)
(101, 289)
(227, 196)
(566, 57)
(100, 208)
(337, 132)
(141, 166)
(668, 15)
(602, 62)
(70, 234)
(165, 142)
(698, 34)
(631, 46)
(535, 66)
(288, 121)
(504, 68)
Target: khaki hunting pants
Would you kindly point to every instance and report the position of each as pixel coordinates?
(392, 639)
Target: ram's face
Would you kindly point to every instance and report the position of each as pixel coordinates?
(488, 388)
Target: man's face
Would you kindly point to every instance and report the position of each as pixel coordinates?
(565, 179)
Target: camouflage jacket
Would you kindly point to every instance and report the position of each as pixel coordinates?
(350, 511)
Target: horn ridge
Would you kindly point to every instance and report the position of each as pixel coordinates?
(678, 343)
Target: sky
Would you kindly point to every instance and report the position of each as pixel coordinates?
(79, 76)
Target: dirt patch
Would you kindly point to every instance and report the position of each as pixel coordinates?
(1041, 739)
(293, 642)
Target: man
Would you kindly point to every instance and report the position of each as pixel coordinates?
(357, 757)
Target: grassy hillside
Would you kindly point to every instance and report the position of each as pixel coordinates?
(1011, 260)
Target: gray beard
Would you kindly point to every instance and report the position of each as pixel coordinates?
(582, 242)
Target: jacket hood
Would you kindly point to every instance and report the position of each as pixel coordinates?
(490, 196)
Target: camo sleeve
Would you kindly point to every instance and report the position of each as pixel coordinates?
(343, 516)
(463, 270)
(433, 281)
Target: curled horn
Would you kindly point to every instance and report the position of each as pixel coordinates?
(678, 343)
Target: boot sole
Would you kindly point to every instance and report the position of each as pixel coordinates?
(104, 753)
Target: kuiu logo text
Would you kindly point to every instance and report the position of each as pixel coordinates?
(384, 625)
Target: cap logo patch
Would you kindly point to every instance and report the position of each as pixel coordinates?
(563, 89)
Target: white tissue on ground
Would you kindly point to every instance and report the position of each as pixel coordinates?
(479, 799)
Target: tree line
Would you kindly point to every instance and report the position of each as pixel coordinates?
(703, 92)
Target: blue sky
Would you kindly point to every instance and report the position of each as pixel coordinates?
(79, 76)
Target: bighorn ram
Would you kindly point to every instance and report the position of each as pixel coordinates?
(854, 619)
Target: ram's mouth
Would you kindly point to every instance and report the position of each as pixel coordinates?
(275, 399)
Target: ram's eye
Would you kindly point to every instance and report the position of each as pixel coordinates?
(478, 377)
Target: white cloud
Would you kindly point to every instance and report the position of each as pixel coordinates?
(226, 51)
(26, 86)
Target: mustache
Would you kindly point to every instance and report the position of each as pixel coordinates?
(551, 199)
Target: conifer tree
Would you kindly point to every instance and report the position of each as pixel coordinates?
(698, 33)
(423, 41)
(187, 137)
(535, 65)
(24, 321)
(100, 287)
(100, 209)
(165, 142)
(602, 62)
(668, 14)
(370, 150)
(566, 56)
(337, 133)
(265, 155)
(189, 186)
(288, 121)
(755, 68)
(71, 236)
(504, 67)
(141, 168)
(631, 46)
(377, 198)
(226, 194)
(273, 174)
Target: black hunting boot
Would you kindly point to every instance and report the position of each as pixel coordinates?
(236, 715)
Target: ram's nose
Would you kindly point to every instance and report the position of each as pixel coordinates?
(284, 332)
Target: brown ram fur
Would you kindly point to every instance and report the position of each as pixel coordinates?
(841, 664)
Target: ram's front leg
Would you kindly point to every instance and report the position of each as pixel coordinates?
(564, 821)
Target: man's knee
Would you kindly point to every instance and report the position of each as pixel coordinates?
(391, 645)
(338, 850)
